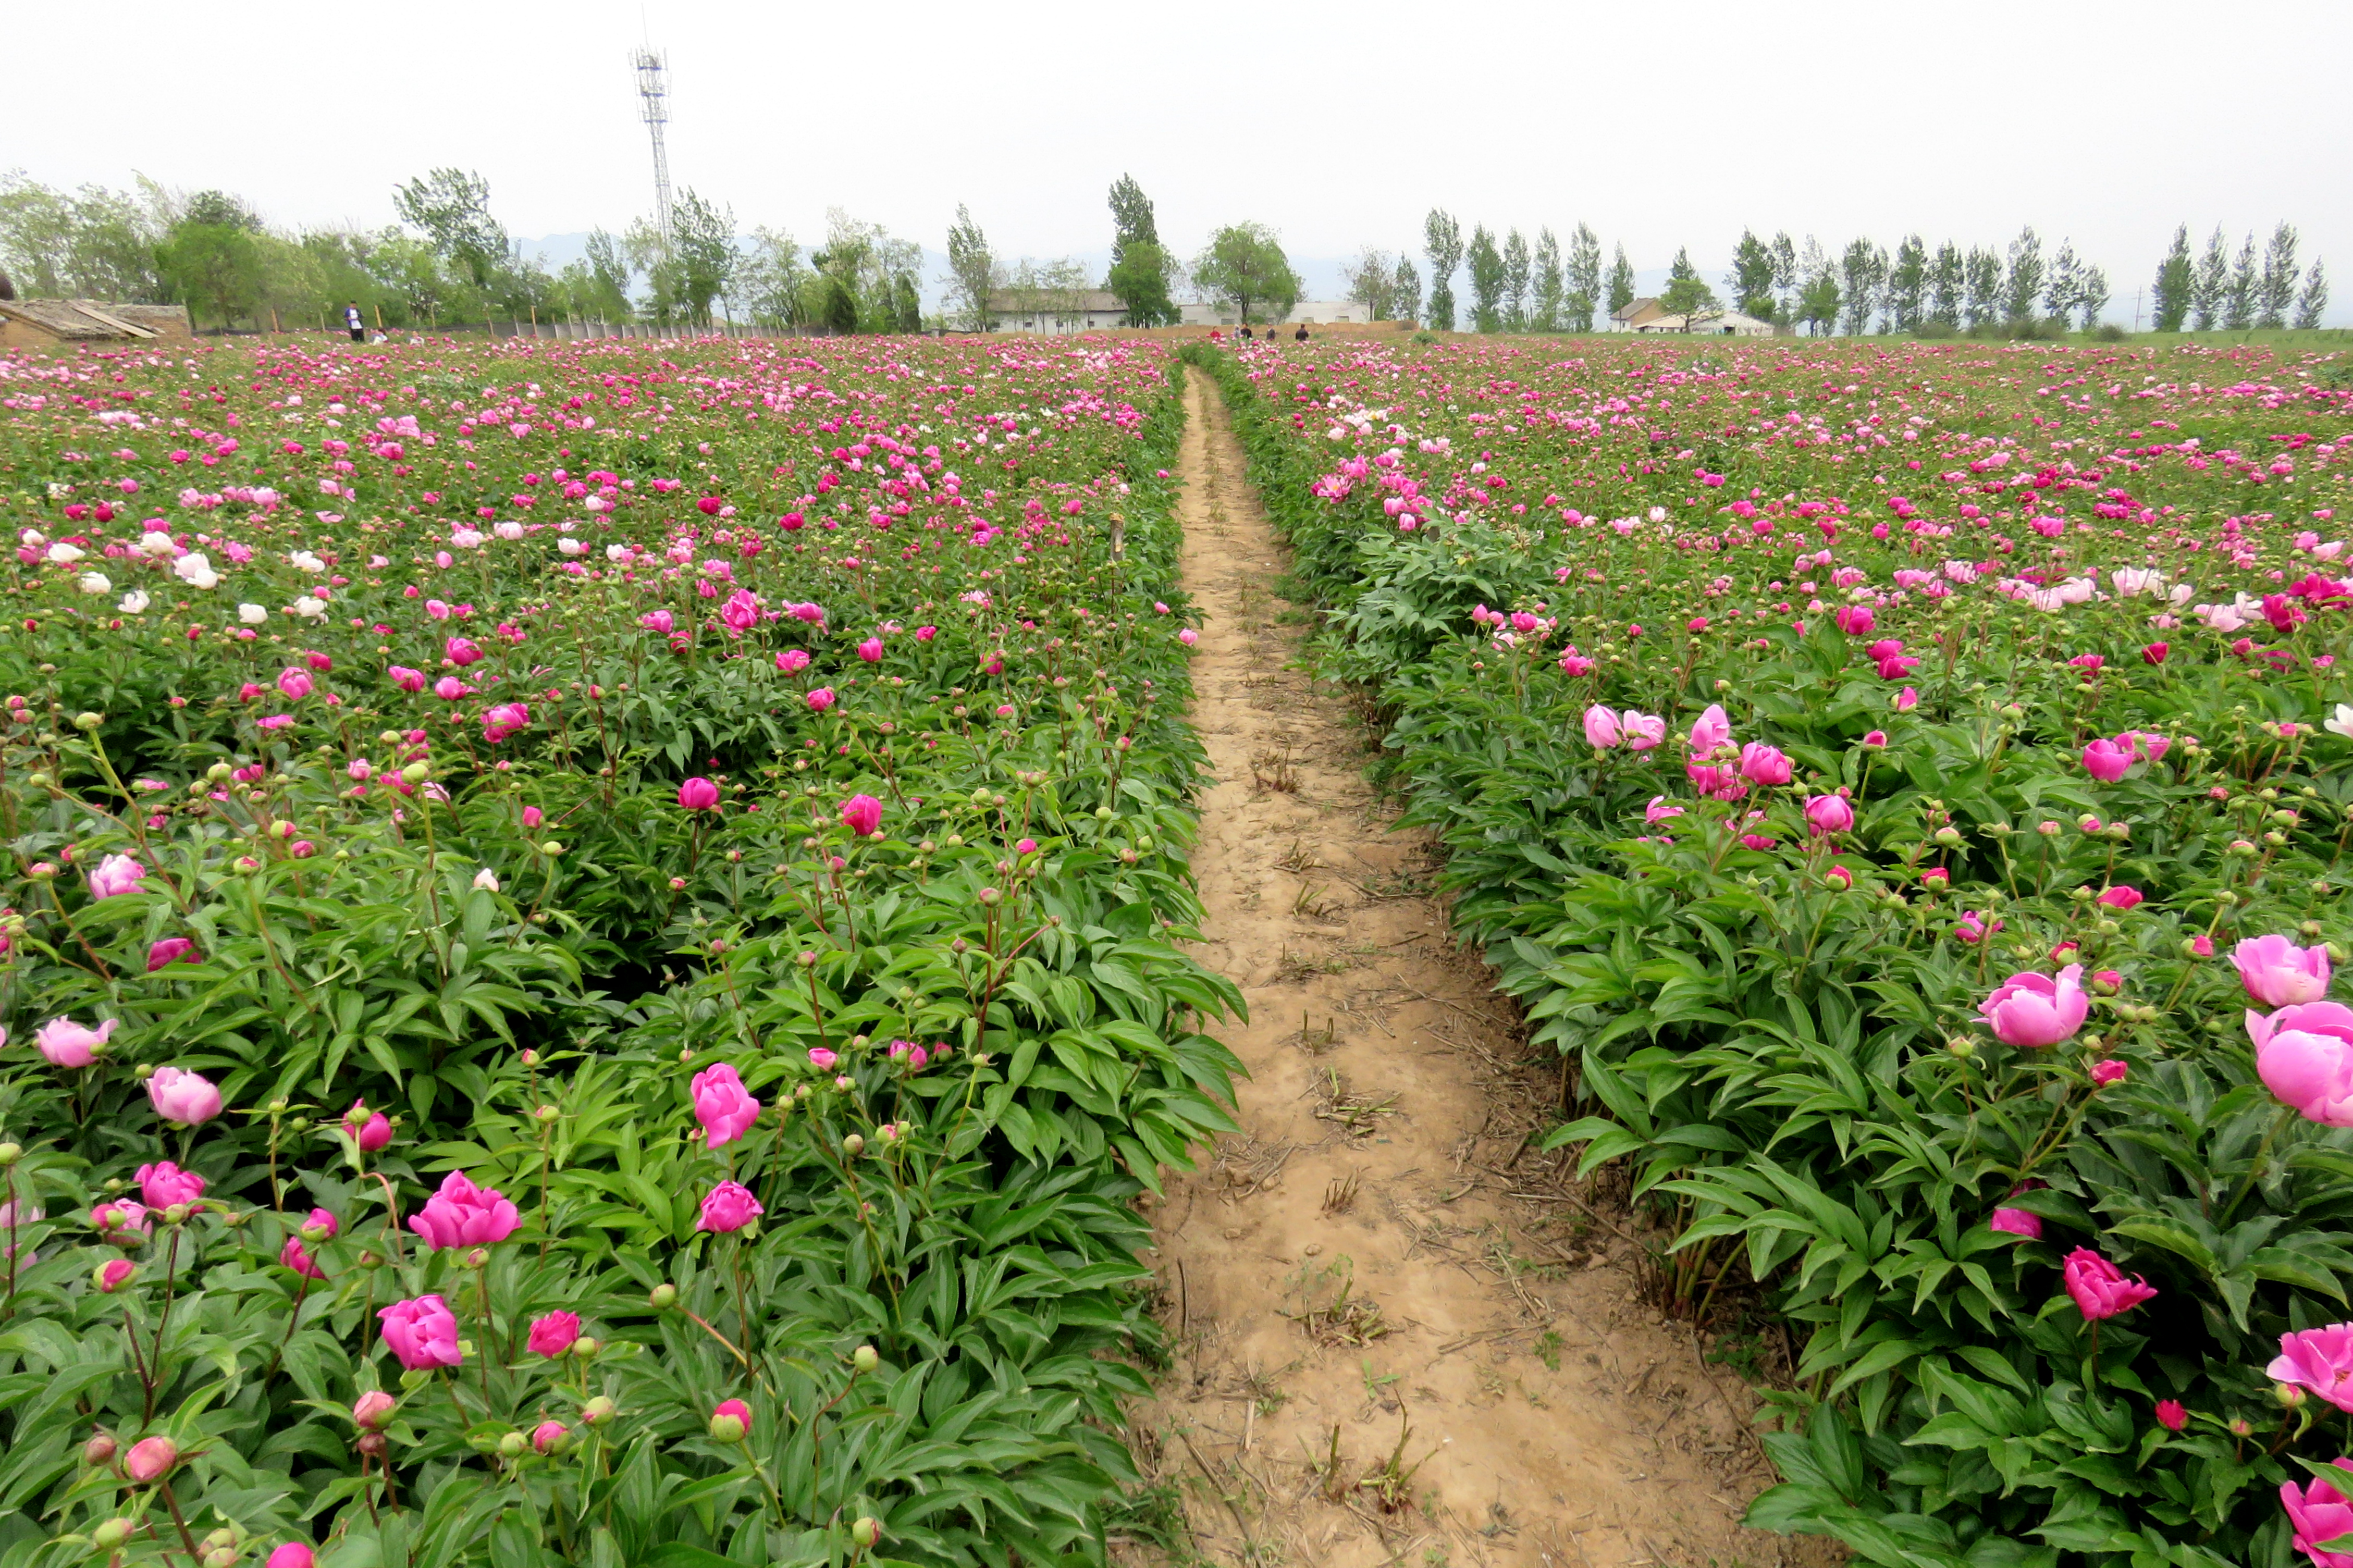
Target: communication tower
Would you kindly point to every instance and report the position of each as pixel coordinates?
(653, 90)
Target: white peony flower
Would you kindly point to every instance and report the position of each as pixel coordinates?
(64, 555)
(252, 615)
(96, 583)
(487, 881)
(571, 547)
(196, 571)
(2342, 724)
(308, 608)
(305, 560)
(134, 603)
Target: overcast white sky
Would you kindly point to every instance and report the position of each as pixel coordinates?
(1340, 124)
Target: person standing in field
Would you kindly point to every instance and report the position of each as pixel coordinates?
(351, 320)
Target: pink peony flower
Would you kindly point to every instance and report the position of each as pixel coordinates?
(1876, 740)
(1906, 699)
(504, 719)
(1829, 814)
(115, 875)
(407, 680)
(1660, 810)
(162, 1184)
(171, 950)
(295, 682)
(2035, 1010)
(821, 698)
(698, 795)
(2108, 1070)
(2303, 1053)
(722, 1104)
(67, 1043)
(2320, 1360)
(821, 1059)
(1601, 730)
(2099, 1290)
(151, 1459)
(548, 1436)
(370, 1130)
(1764, 764)
(1712, 730)
(422, 1332)
(463, 1214)
(2120, 897)
(870, 651)
(2171, 1415)
(2106, 760)
(727, 1207)
(2017, 1222)
(2320, 1511)
(2279, 973)
(554, 1334)
(792, 661)
(181, 1098)
(1643, 732)
(862, 815)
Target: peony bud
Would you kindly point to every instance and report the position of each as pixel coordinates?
(865, 1358)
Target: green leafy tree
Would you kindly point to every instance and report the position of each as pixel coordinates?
(1244, 267)
(1141, 266)
(1786, 278)
(702, 249)
(1409, 290)
(906, 303)
(1906, 296)
(2023, 281)
(212, 256)
(1549, 292)
(1372, 282)
(1818, 302)
(2177, 281)
(1441, 242)
(1621, 282)
(1687, 294)
(2275, 292)
(2313, 303)
(1517, 266)
(2241, 299)
(774, 280)
(1949, 286)
(2211, 293)
(1487, 280)
(1584, 280)
(2091, 295)
(452, 207)
(1981, 287)
(1750, 281)
(2064, 284)
(974, 276)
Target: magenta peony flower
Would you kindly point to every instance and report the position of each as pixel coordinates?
(792, 661)
(2171, 1415)
(173, 949)
(870, 651)
(2320, 1360)
(2278, 973)
(2120, 897)
(2017, 1222)
(2035, 1010)
(67, 1043)
(370, 1130)
(821, 698)
(2099, 1290)
(422, 1332)
(181, 1098)
(862, 815)
(163, 1184)
(503, 719)
(727, 1207)
(2106, 760)
(1830, 814)
(291, 1554)
(698, 795)
(115, 875)
(2305, 1056)
(2320, 1511)
(295, 682)
(1660, 810)
(554, 1334)
(721, 1103)
(1764, 764)
(463, 1214)
(2107, 1071)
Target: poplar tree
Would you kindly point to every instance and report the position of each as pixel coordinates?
(1584, 279)
(1407, 298)
(2275, 293)
(1544, 315)
(1621, 282)
(2209, 293)
(974, 272)
(2313, 301)
(2026, 274)
(1907, 285)
(2091, 295)
(1981, 275)
(2060, 285)
(1948, 286)
(1515, 282)
(1750, 281)
(1486, 264)
(1140, 264)
(2176, 285)
(1786, 279)
(1441, 242)
(1862, 272)
(2238, 300)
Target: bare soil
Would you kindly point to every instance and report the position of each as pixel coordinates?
(1382, 1356)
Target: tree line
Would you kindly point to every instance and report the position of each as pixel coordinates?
(2017, 291)
(449, 261)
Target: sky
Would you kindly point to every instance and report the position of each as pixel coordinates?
(1338, 124)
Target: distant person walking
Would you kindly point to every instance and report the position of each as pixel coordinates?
(351, 320)
(1246, 332)
(1301, 335)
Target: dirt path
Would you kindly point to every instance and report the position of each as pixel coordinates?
(1352, 1267)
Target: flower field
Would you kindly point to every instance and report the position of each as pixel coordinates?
(1909, 786)
(588, 970)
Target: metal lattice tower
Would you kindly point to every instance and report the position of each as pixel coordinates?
(654, 90)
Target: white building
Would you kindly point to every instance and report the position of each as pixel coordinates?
(1055, 309)
(1716, 323)
(1328, 311)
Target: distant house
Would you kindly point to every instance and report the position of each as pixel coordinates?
(55, 323)
(1056, 310)
(1327, 311)
(1631, 316)
(1718, 323)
